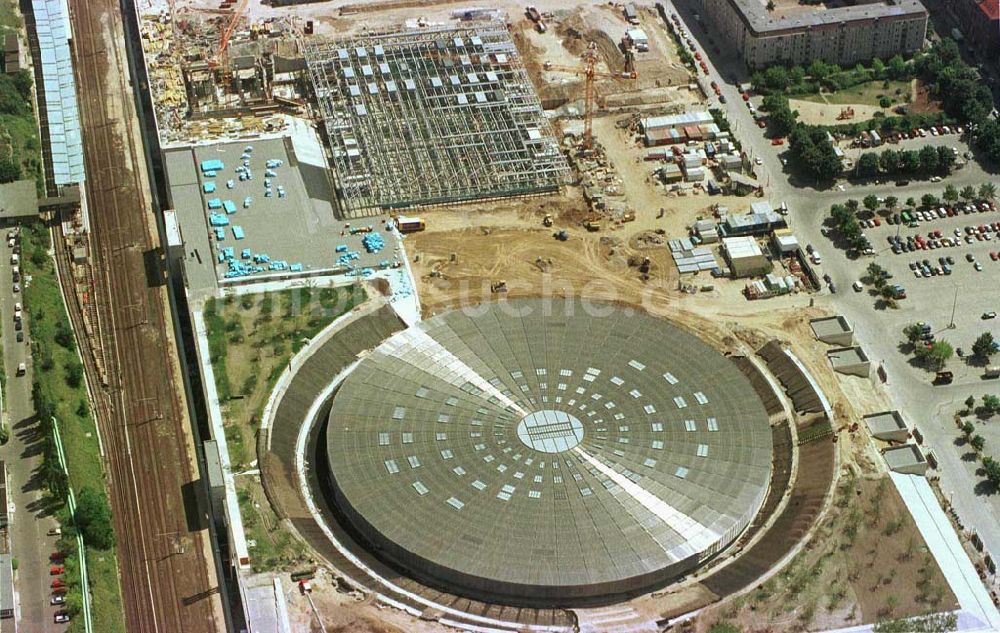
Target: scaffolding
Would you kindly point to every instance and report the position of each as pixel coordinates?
(432, 117)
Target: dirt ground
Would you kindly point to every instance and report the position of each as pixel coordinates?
(826, 113)
(867, 562)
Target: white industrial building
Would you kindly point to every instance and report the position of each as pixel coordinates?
(745, 257)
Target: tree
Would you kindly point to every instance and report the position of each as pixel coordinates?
(988, 140)
(909, 161)
(897, 68)
(992, 469)
(978, 442)
(968, 193)
(867, 165)
(910, 202)
(969, 403)
(928, 200)
(870, 202)
(93, 518)
(913, 332)
(877, 274)
(811, 149)
(946, 159)
(987, 191)
(9, 170)
(884, 101)
(935, 356)
(889, 160)
(991, 403)
(968, 428)
(853, 205)
(770, 5)
(984, 346)
(891, 202)
(929, 159)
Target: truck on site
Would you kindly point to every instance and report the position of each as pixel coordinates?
(410, 224)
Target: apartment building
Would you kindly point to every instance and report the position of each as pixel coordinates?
(980, 23)
(837, 32)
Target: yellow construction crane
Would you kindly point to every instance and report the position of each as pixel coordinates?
(590, 72)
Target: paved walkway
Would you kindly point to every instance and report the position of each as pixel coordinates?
(978, 612)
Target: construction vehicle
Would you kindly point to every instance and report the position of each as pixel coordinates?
(498, 287)
(547, 220)
(845, 113)
(590, 72)
(561, 235)
(592, 224)
(409, 224)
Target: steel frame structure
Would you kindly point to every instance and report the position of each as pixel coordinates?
(432, 117)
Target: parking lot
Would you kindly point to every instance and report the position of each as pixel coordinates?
(945, 259)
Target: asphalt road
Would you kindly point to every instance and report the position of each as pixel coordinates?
(31, 518)
(928, 408)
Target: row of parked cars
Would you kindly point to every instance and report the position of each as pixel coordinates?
(58, 598)
(936, 239)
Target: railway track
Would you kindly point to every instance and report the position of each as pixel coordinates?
(167, 575)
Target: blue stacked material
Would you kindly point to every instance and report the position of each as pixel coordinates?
(214, 203)
(383, 264)
(373, 242)
(347, 258)
(270, 173)
(238, 232)
(262, 258)
(218, 219)
(295, 268)
(273, 163)
(367, 272)
(278, 264)
(208, 187)
(247, 202)
(230, 184)
(220, 258)
(210, 174)
(227, 252)
(212, 165)
(341, 248)
(220, 233)
(229, 206)
(245, 253)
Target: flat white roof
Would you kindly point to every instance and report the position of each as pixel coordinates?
(743, 246)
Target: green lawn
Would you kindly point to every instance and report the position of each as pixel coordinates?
(251, 340)
(867, 93)
(60, 392)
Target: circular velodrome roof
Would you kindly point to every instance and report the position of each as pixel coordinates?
(532, 458)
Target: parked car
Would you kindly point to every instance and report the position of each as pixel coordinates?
(989, 315)
(56, 570)
(61, 617)
(21, 369)
(57, 599)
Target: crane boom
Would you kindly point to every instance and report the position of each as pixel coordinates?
(230, 27)
(590, 72)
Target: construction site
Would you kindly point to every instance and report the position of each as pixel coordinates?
(446, 157)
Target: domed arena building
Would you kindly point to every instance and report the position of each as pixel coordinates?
(545, 452)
